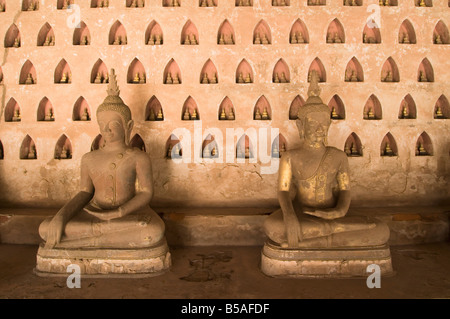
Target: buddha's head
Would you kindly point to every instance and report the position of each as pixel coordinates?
(313, 119)
(113, 116)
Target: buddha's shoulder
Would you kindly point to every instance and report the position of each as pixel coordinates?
(335, 152)
(137, 154)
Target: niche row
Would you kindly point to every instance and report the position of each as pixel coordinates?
(262, 34)
(209, 75)
(226, 112)
(33, 5)
(210, 149)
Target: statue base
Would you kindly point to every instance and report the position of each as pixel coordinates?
(324, 263)
(102, 262)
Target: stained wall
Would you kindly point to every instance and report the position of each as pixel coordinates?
(404, 179)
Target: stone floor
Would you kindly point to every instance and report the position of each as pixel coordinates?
(422, 271)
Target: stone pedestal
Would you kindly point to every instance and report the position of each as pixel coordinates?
(139, 262)
(324, 263)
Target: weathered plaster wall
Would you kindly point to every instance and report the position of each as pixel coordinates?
(404, 179)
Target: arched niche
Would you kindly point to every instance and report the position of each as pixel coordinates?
(28, 74)
(244, 148)
(317, 2)
(172, 73)
(189, 34)
(12, 111)
(281, 72)
(28, 149)
(64, 4)
(99, 74)
(173, 148)
(136, 72)
(352, 3)
(299, 33)
(45, 111)
(371, 33)
(335, 32)
(262, 110)
(210, 149)
(281, 3)
(12, 37)
(354, 71)
(388, 146)
(30, 5)
(244, 73)
(63, 148)
(388, 3)
(153, 110)
(63, 74)
(424, 146)
(425, 72)
(337, 108)
(353, 146)
(46, 36)
(135, 3)
(407, 108)
(226, 35)
(171, 3)
(98, 143)
(99, 3)
(406, 33)
(262, 33)
(423, 3)
(207, 3)
(117, 34)
(81, 110)
(296, 104)
(226, 110)
(441, 34)
(81, 35)
(442, 108)
(138, 142)
(372, 109)
(243, 3)
(208, 75)
(190, 110)
(154, 34)
(317, 66)
(279, 146)
(389, 71)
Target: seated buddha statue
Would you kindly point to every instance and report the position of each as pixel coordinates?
(111, 210)
(319, 176)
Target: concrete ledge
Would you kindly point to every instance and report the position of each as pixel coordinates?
(241, 226)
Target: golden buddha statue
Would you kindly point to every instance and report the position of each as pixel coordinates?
(316, 218)
(110, 216)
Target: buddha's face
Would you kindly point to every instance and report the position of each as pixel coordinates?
(111, 126)
(316, 127)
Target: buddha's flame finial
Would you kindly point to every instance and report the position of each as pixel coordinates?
(314, 89)
(113, 88)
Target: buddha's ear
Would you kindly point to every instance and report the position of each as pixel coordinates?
(130, 125)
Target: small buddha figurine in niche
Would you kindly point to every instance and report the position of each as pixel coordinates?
(231, 115)
(110, 211)
(438, 40)
(241, 78)
(316, 218)
(29, 79)
(16, 43)
(159, 116)
(85, 116)
(248, 79)
(439, 114)
(32, 152)
(388, 150)
(16, 117)
(422, 77)
(49, 116)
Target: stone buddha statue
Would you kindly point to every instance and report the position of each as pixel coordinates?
(111, 211)
(314, 196)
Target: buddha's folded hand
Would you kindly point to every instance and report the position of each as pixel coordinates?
(55, 231)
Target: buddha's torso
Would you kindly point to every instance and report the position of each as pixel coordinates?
(113, 175)
(314, 175)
